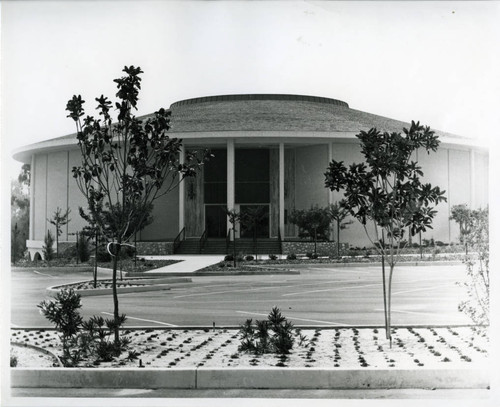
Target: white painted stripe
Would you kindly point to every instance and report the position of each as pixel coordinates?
(295, 318)
(322, 283)
(350, 270)
(422, 289)
(42, 274)
(407, 312)
(145, 320)
(332, 289)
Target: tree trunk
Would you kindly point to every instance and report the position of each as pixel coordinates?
(116, 314)
(234, 245)
(338, 239)
(387, 332)
(95, 260)
(389, 303)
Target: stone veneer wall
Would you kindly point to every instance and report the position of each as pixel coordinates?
(155, 248)
(322, 248)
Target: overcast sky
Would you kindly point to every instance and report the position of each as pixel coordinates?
(437, 62)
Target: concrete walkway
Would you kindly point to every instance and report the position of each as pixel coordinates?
(188, 263)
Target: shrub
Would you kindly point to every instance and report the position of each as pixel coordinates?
(13, 361)
(96, 339)
(47, 248)
(273, 257)
(102, 255)
(249, 258)
(228, 257)
(274, 335)
(83, 251)
(477, 283)
(68, 252)
(291, 256)
(63, 312)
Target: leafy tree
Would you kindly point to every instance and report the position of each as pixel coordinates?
(478, 269)
(126, 165)
(233, 217)
(19, 217)
(337, 214)
(386, 192)
(25, 176)
(463, 216)
(47, 248)
(251, 218)
(59, 219)
(313, 223)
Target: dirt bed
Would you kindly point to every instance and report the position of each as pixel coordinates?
(348, 348)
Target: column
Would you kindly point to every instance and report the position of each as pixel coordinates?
(230, 177)
(282, 189)
(32, 199)
(472, 179)
(182, 196)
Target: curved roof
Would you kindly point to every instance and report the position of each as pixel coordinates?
(275, 113)
(259, 112)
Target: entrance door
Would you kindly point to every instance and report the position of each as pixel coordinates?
(216, 221)
(255, 221)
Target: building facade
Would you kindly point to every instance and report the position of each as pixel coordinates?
(270, 153)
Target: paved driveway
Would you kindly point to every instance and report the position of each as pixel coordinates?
(321, 295)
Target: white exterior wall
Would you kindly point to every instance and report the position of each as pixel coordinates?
(39, 180)
(310, 166)
(463, 176)
(165, 225)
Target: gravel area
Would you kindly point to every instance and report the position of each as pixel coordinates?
(30, 357)
(349, 348)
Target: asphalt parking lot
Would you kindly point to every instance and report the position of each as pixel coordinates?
(321, 295)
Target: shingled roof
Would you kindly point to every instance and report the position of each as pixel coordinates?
(276, 113)
(259, 112)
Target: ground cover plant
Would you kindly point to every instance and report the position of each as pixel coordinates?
(274, 335)
(82, 340)
(344, 348)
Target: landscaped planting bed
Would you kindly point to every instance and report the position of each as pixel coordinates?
(106, 283)
(347, 348)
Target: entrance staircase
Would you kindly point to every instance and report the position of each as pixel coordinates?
(218, 246)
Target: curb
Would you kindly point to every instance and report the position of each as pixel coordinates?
(119, 290)
(217, 273)
(250, 378)
(148, 284)
(371, 264)
(39, 349)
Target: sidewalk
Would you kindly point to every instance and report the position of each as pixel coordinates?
(449, 394)
(188, 263)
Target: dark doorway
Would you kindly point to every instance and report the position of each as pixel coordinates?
(216, 221)
(255, 222)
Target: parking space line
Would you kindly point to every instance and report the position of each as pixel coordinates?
(145, 320)
(43, 274)
(332, 289)
(421, 289)
(295, 318)
(407, 312)
(322, 283)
